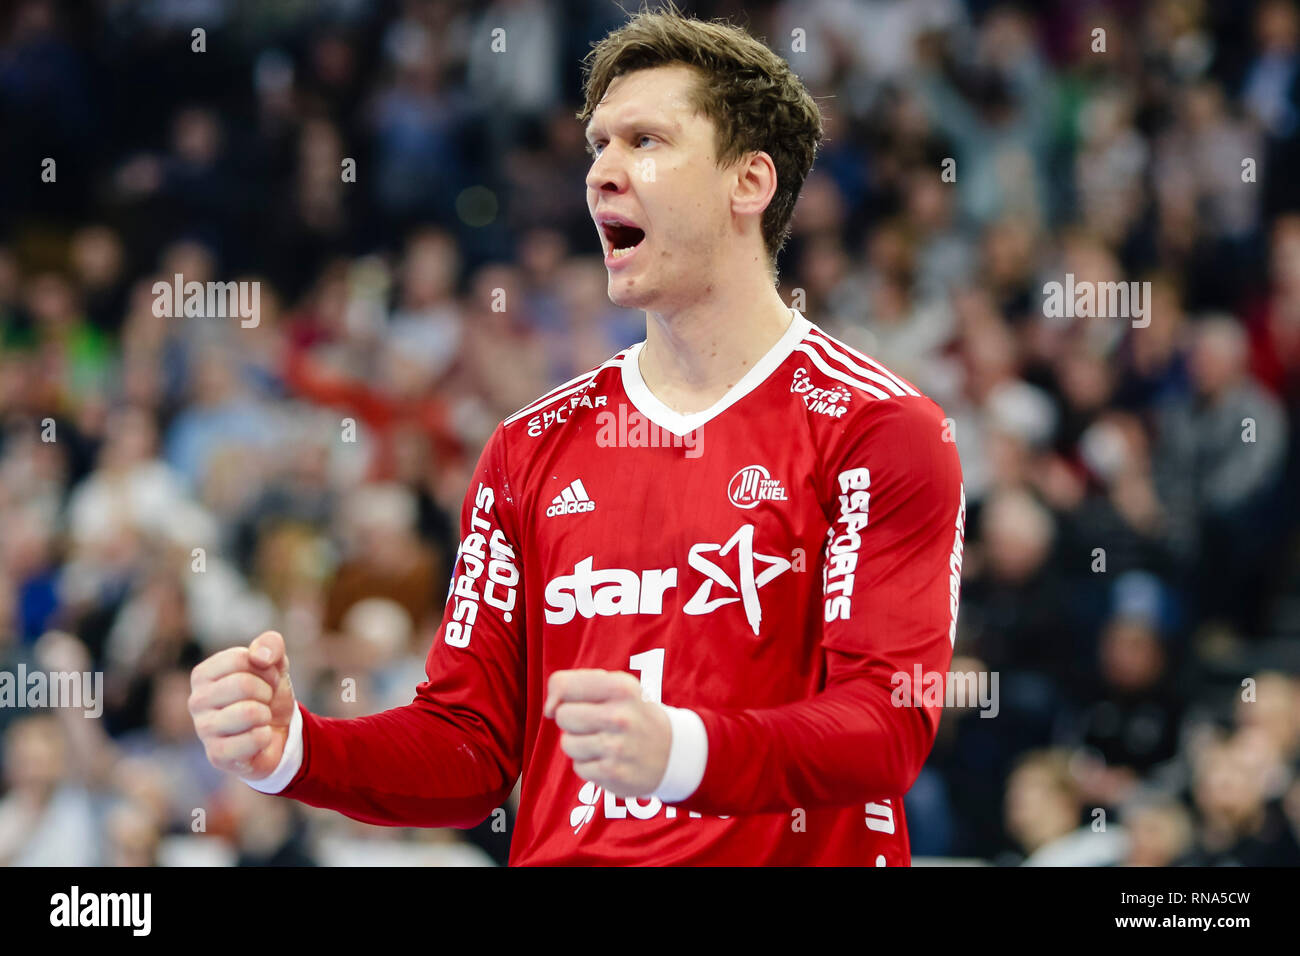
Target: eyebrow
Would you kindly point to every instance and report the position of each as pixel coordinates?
(637, 120)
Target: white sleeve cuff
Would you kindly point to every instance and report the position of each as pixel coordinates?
(290, 761)
(687, 755)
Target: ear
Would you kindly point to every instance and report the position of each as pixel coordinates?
(755, 184)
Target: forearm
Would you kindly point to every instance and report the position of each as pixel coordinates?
(409, 766)
(848, 745)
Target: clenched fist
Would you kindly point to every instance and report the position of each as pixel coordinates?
(617, 739)
(241, 701)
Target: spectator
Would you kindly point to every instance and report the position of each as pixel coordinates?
(1043, 813)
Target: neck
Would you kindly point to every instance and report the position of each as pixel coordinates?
(695, 355)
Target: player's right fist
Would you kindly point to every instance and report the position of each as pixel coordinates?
(241, 701)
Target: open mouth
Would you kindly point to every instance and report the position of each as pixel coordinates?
(623, 238)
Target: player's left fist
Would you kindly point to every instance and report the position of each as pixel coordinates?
(616, 739)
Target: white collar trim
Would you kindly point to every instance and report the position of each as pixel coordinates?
(678, 424)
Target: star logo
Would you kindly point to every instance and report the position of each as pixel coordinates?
(745, 590)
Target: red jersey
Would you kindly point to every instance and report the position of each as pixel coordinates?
(771, 564)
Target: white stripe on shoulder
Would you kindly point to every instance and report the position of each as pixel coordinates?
(837, 349)
(568, 388)
(838, 374)
(846, 364)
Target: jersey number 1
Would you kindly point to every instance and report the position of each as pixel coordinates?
(651, 666)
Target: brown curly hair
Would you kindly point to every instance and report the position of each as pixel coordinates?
(751, 95)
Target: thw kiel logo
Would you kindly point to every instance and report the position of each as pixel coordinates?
(746, 589)
(571, 501)
(753, 484)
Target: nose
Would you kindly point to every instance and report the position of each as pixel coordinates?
(609, 172)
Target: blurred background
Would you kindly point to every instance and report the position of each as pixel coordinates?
(1148, 699)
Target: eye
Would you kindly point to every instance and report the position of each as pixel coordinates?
(594, 149)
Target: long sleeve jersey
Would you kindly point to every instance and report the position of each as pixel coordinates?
(780, 571)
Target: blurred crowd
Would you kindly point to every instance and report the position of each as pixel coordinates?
(170, 486)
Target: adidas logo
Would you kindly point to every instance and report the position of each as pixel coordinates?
(571, 501)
